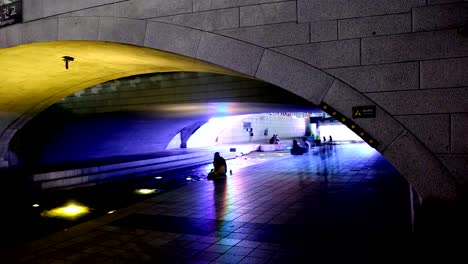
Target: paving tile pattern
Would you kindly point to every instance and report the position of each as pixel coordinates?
(331, 205)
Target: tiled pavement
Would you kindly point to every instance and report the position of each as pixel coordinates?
(342, 204)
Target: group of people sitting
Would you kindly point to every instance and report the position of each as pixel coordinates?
(274, 139)
(219, 170)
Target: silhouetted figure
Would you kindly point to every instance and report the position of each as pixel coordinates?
(220, 167)
(272, 140)
(277, 140)
(306, 145)
(330, 139)
(324, 139)
(296, 149)
(317, 140)
(251, 134)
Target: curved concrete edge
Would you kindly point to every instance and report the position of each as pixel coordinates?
(6, 118)
(17, 120)
(35, 31)
(294, 76)
(421, 168)
(121, 30)
(16, 123)
(229, 53)
(173, 38)
(384, 128)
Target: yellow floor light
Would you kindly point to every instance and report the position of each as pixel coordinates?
(145, 191)
(70, 211)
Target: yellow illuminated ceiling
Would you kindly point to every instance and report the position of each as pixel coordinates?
(33, 76)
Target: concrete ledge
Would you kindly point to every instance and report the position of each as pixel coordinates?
(112, 167)
(142, 168)
(272, 147)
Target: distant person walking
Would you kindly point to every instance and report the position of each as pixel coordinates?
(324, 139)
(306, 145)
(330, 139)
(251, 135)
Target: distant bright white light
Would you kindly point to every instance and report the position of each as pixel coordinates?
(111, 212)
(338, 132)
(214, 131)
(35, 205)
(188, 179)
(262, 154)
(158, 177)
(69, 211)
(145, 191)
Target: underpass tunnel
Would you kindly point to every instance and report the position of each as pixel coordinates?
(106, 91)
(59, 118)
(40, 78)
(128, 118)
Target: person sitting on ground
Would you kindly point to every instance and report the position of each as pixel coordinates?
(220, 167)
(296, 149)
(277, 140)
(272, 139)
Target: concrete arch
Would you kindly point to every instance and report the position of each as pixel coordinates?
(422, 169)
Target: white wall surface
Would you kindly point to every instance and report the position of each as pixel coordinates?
(231, 130)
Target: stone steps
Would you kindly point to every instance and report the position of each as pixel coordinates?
(133, 169)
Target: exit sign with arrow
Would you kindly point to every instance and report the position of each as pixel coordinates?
(364, 111)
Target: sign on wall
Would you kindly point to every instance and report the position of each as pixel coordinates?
(247, 126)
(10, 12)
(364, 111)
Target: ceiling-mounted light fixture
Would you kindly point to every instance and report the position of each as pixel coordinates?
(66, 59)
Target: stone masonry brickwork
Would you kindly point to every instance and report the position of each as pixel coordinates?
(409, 57)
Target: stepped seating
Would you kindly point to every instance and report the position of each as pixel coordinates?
(125, 170)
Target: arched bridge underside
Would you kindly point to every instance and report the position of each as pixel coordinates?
(338, 57)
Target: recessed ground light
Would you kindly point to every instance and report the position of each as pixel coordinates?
(188, 179)
(158, 177)
(145, 191)
(69, 211)
(111, 212)
(35, 205)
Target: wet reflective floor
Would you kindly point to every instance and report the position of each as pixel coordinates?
(23, 206)
(335, 203)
